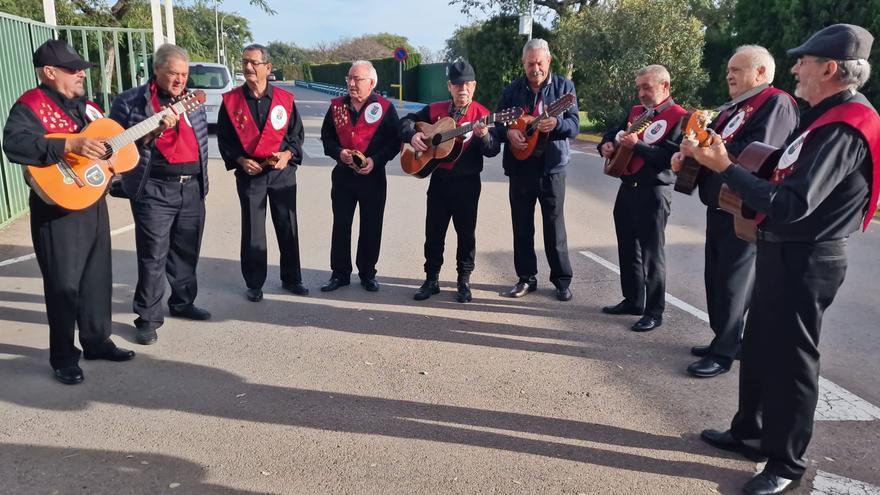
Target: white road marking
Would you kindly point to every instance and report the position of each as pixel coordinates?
(832, 484)
(31, 256)
(835, 402)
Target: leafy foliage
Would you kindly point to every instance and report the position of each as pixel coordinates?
(609, 43)
(783, 24)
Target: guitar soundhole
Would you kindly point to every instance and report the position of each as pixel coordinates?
(436, 140)
(108, 151)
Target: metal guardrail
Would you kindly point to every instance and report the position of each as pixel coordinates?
(332, 89)
(122, 56)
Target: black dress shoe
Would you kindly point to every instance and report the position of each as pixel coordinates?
(563, 294)
(646, 324)
(724, 440)
(428, 289)
(333, 284)
(463, 292)
(146, 336)
(296, 287)
(370, 285)
(701, 350)
(765, 483)
(707, 367)
(254, 295)
(69, 375)
(623, 308)
(521, 288)
(117, 354)
(191, 312)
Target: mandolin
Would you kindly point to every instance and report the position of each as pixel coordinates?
(616, 165)
(696, 129)
(528, 124)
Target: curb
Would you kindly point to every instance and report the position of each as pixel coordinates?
(592, 138)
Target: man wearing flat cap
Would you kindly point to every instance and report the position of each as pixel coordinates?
(72, 247)
(454, 191)
(824, 187)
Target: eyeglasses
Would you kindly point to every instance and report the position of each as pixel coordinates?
(356, 80)
(256, 63)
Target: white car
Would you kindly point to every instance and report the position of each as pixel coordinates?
(214, 80)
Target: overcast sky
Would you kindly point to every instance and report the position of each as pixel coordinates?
(425, 23)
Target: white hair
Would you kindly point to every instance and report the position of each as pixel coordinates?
(853, 73)
(536, 44)
(373, 75)
(657, 71)
(759, 56)
(166, 52)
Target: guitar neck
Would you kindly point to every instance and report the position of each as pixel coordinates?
(144, 127)
(466, 128)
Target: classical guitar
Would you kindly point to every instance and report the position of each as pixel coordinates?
(616, 165)
(77, 182)
(760, 159)
(445, 141)
(696, 129)
(528, 125)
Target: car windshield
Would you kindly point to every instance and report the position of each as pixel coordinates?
(207, 77)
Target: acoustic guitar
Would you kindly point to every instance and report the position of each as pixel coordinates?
(445, 141)
(696, 129)
(528, 124)
(761, 160)
(616, 165)
(77, 182)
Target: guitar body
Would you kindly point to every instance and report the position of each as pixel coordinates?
(688, 177)
(56, 187)
(694, 124)
(422, 163)
(760, 159)
(616, 166)
(535, 142)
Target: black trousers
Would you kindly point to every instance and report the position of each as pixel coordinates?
(454, 198)
(779, 374)
(729, 275)
(640, 214)
(278, 188)
(549, 191)
(169, 220)
(348, 191)
(73, 252)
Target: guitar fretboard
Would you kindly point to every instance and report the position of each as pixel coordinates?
(144, 127)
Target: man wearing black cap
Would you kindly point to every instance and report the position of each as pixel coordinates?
(454, 191)
(72, 247)
(824, 187)
(539, 179)
(167, 192)
(361, 124)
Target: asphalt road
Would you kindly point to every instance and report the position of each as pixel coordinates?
(356, 392)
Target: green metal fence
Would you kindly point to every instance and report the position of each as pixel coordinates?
(120, 56)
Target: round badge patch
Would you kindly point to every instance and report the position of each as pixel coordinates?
(373, 113)
(791, 154)
(735, 123)
(93, 113)
(278, 117)
(655, 132)
(95, 176)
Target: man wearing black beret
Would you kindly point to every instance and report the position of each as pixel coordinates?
(824, 187)
(455, 186)
(72, 247)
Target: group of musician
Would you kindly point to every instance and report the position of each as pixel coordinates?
(765, 299)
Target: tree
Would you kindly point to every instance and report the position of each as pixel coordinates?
(611, 42)
(561, 8)
(783, 24)
(717, 17)
(494, 49)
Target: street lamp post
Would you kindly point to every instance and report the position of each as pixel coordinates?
(221, 38)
